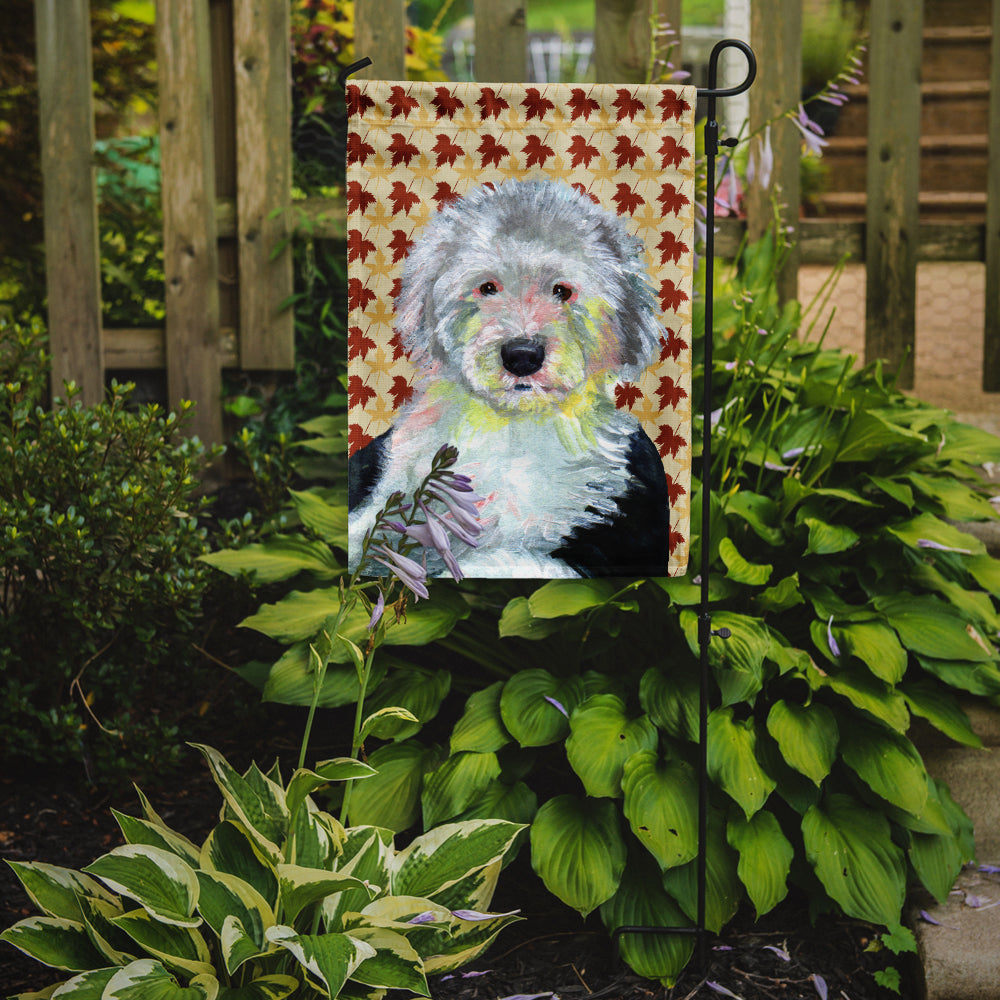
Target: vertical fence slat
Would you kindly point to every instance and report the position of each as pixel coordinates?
(501, 41)
(261, 42)
(893, 183)
(991, 333)
(72, 257)
(621, 40)
(776, 35)
(380, 34)
(190, 253)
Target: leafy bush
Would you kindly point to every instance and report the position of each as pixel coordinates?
(279, 899)
(99, 539)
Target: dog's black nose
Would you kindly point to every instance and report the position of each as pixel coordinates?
(522, 357)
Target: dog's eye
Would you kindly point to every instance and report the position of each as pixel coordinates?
(562, 292)
(488, 288)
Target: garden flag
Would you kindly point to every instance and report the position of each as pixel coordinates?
(520, 269)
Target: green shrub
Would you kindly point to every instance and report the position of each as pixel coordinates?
(101, 587)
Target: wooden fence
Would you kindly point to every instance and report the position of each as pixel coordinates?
(226, 160)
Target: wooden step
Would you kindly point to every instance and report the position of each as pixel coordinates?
(945, 104)
(958, 206)
(940, 13)
(956, 53)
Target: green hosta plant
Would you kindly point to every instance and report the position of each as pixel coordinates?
(279, 900)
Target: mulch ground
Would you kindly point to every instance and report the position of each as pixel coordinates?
(550, 953)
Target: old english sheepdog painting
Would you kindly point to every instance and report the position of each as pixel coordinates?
(524, 305)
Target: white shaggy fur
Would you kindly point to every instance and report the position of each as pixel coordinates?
(521, 306)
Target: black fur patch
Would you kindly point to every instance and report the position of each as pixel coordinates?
(365, 467)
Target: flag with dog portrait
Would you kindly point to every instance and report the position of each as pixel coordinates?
(520, 270)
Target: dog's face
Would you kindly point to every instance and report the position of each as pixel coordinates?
(527, 295)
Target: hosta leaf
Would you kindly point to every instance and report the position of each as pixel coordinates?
(807, 736)
(578, 851)
(931, 628)
(87, 986)
(54, 941)
(671, 700)
(765, 858)
(481, 728)
(965, 443)
(641, 901)
(159, 881)
(386, 723)
(291, 680)
(180, 948)
(466, 941)
(732, 760)
(275, 987)
(937, 860)
(783, 595)
(225, 897)
(304, 782)
(876, 646)
(738, 661)
(739, 569)
(98, 916)
(661, 802)
(928, 528)
(327, 520)
(391, 798)
(850, 848)
(530, 706)
(56, 891)
(986, 572)
(516, 803)
(957, 501)
(441, 857)
(456, 784)
(760, 512)
(330, 959)
(279, 558)
(417, 690)
(366, 855)
(936, 704)
(299, 615)
(141, 831)
(558, 598)
(976, 678)
(147, 979)
(230, 849)
(301, 887)
(866, 692)
(395, 964)
(602, 738)
(827, 539)
(869, 436)
(517, 620)
(888, 763)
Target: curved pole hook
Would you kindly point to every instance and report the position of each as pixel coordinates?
(713, 69)
(353, 68)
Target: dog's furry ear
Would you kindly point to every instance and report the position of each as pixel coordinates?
(636, 311)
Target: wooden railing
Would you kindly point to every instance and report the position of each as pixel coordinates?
(226, 160)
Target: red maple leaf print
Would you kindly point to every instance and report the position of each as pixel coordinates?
(358, 199)
(358, 343)
(491, 152)
(582, 151)
(397, 287)
(401, 103)
(446, 103)
(358, 151)
(396, 343)
(358, 394)
(670, 295)
(627, 200)
(402, 199)
(675, 539)
(671, 199)
(582, 105)
(447, 151)
(402, 151)
(593, 197)
(358, 246)
(669, 393)
(537, 152)
(357, 103)
(444, 194)
(490, 104)
(358, 295)
(627, 105)
(669, 441)
(356, 439)
(674, 490)
(671, 248)
(672, 105)
(671, 346)
(538, 106)
(400, 244)
(672, 152)
(627, 151)
(400, 391)
(627, 394)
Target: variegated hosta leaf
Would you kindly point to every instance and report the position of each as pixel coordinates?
(850, 847)
(466, 941)
(54, 941)
(158, 880)
(56, 891)
(177, 947)
(475, 891)
(578, 851)
(395, 964)
(661, 805)
(304, 782)
(456, 784)
(602, 737)
(225, 897)
(147, 979)
(116, 947)
(230, 849)
(732, 760)
(274, 987)
(535, 706)
(300, 887)
(315, 838)
(141, 831)
(481, 727)
(86, 986)
(807, 736)
(367, 853)
(329, 959)
(642, 902)
(441, 857)
(765, 858)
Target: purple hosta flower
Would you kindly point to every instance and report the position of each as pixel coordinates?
(780, 952)
(475, 915)
(719, 988)
(820, 983)
(760, 165)
(410, 572)
(461, 503)
(927, 543)
(377, 611)
(834, 648)
(427, 917)
(989, 869)
(558, 705)
(811, 132)
(728, 194)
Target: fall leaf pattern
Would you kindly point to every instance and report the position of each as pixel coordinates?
(413, 147)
